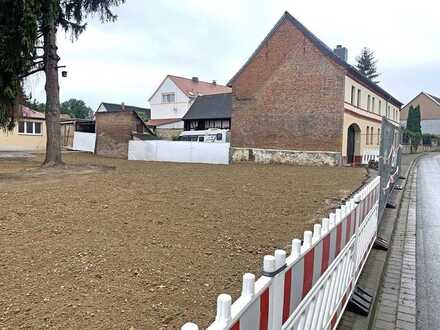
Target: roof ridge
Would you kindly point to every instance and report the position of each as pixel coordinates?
(190, 79)
(434, 98)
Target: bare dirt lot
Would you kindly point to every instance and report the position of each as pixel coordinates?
(113, 244)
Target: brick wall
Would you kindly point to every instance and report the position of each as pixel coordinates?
(289, 97)
(113, 131)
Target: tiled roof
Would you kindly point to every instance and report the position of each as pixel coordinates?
(29, 113)
(436, 99)
(158, 122)
(191, 88)
(113, 107)
(326, 51)
(217, 106)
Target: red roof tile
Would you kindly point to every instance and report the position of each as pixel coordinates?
(158, 122)
(191, 88)
(29, 113)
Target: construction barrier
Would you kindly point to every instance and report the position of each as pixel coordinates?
(310, 288)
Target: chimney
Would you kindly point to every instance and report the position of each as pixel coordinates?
(123, 106)
(195, 79)
(341, 52)
(214, 82)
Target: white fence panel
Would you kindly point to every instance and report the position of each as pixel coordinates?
(179, 151)
(84, 141)
(370, 154)
(309, 289)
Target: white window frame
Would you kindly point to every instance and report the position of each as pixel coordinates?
(167, 97)
(25, 127)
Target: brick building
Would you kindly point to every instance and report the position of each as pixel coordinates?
(293, 102)
(114, 130)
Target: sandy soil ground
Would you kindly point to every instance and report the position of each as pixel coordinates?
(112, 244)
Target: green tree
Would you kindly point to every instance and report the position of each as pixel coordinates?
(413, 127)
(18, 39)
(366, 64)
(28, 44)
(34, 104)
(76, 109)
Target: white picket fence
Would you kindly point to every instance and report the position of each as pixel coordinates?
(84, 141)
(179, 151)
(370, 154)
(310, 288)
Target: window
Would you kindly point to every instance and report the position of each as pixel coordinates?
(29, 128)
(373, 105)
(37, 128)
(353, 91)
(359, 98)
(368, 134)
(168, 98)
(388, 112)
(378, 136)
(369, 103)
(21, 127)
(225, 124)
(380, 107)
(372, 135)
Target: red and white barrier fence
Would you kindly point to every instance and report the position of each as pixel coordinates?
(308, 289)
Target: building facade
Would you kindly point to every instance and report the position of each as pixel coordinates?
(209, 112)
(172, 99)
(29, 133)
(292, 102)
(429, 112)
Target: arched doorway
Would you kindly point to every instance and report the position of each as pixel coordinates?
(353, 143)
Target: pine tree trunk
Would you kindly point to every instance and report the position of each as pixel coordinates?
(53, 145)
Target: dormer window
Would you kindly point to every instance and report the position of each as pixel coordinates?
(168, 98)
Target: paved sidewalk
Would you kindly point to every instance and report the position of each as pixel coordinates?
(371, 275)
(396, 308)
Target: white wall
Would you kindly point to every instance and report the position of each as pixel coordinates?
(84, 141)
(430, 126)
(101, 108)
(179, 151)
(178, 109)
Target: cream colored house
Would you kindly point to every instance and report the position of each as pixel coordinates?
(29, 133)
(365, 104)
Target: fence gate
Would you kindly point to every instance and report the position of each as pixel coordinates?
(389, 161)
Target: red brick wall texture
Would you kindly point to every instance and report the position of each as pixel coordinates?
(289, 96)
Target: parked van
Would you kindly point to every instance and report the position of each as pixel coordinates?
(209, 136)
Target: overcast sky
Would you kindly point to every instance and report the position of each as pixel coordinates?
(126, 60)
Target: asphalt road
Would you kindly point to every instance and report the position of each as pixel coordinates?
(428, 243)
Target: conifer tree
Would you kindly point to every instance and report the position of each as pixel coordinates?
(28, 44)
(366, 64)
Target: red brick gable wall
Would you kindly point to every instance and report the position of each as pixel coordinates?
(290, 96)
